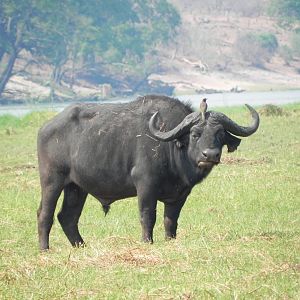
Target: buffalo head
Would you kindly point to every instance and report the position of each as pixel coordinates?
(204, 139)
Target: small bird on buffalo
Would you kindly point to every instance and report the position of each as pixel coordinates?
(203, 108)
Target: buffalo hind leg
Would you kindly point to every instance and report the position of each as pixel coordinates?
(74, 199)
(51, 190)
(171, 215)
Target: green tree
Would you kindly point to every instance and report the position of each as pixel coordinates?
(288, 11)
(25, 25)
(295, 41)
(72, 33)
(257, 49)
(288, 14)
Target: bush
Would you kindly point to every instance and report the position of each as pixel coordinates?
(271, 110)
(268, 41)
(256, 49)
(286, 53)
(295, 41)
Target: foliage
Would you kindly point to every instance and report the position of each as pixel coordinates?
(288, 11)
(256, 49)
(271, 110)
(238, 233)
(295, 41)
(286, 53)
(268, 41)
(288, 14)
(75, 33)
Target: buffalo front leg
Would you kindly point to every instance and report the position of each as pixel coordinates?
(74, 199)
(171, 215)
(147, 208)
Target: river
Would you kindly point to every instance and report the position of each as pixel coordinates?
(214, 100)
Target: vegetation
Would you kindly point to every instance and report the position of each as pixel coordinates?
(288, 14)
(76, 35)
(238, 235)
(288, 11)
(296, 43)
(257, 49)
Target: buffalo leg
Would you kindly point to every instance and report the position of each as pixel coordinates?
(51, 190)
(74, 199)
(147, 208)
(171, 215)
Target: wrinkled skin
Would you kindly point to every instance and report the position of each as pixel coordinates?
(113, 151)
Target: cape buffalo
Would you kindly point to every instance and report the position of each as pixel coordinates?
(155, 147)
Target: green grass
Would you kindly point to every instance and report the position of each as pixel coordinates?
(238, 236)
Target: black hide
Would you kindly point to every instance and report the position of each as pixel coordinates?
(107, 150)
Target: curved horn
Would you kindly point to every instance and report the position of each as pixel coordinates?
(236, 129)
(176, 132)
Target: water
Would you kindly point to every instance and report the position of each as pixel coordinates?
(253, 98)
(214, 100)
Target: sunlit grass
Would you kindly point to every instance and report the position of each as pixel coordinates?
(238, 233)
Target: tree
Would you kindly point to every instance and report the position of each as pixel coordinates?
(72, 32)
(24, 27)
(288, 14)
(288, 11)
(295, 41)
(256, 49)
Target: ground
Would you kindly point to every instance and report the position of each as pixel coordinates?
(238, 235)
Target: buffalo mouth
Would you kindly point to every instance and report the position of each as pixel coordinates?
(207, 164)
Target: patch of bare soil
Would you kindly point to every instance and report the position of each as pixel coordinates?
(245, 161)
(132, 256)
(187, 78)
(18, 168)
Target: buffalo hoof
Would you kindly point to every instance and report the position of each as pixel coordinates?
(79, 245)
(147, 241)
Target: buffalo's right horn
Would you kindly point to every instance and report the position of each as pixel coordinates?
(189, 121)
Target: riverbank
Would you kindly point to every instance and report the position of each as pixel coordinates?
(214, 100)
(182, 79)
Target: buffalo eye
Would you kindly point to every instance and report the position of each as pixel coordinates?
(195, 136)
(221, 137)
(196, 132)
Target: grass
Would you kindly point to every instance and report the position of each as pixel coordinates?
(238, 237)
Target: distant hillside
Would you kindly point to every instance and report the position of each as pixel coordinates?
(221, 45)
(211, 53)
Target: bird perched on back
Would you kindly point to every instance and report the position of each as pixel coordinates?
(203, 108)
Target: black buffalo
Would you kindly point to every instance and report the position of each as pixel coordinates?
(155, 147)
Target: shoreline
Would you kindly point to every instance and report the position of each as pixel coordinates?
(214, 100)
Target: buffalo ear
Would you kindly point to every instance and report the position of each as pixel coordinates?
(231, 141)
(182, 141)
(179, 144)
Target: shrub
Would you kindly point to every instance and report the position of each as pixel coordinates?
(286, 53)
(268, 41)
(295, 41)
(256, 49)
(271, 110)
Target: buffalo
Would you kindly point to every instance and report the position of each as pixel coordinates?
(155, 148)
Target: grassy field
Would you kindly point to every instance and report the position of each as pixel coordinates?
(238, 237)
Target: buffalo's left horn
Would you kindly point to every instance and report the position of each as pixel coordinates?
(236, 129)
(185, 125)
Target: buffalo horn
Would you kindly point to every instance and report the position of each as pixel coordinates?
(236, 129)
(176, 132)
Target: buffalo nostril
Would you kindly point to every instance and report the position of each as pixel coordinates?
(211, 154)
